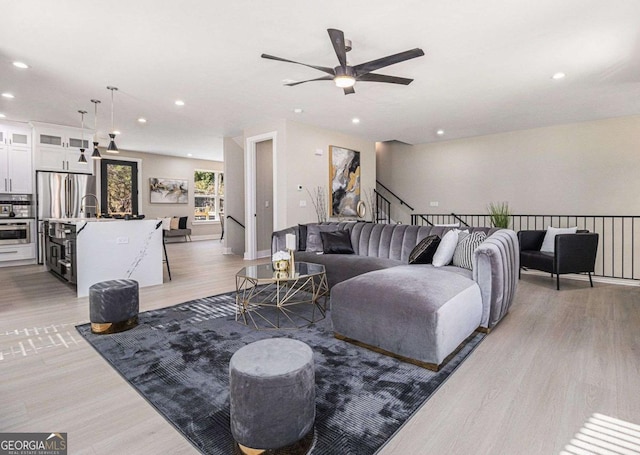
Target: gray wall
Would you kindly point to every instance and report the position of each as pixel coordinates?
(582, 168)
(154, 165)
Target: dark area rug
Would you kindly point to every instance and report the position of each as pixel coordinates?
(178, 359)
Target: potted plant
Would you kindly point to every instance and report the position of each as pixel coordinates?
(500, 214)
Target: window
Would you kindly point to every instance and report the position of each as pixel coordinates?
(209, 195)
(119, 187)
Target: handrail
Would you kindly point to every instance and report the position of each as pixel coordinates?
(402, 202)
(459, 219)
(381, 196)
(382, 207)
(618, 248)
(229, 217)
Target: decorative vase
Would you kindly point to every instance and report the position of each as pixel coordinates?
(280, 265)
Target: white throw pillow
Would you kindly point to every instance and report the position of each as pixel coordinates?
(166, 223)
(549, 242)
(447, 247)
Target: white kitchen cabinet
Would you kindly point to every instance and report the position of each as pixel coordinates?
(16, 172)
(57, 148)
(17, 253)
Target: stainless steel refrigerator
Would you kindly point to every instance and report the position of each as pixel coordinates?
(63, 195)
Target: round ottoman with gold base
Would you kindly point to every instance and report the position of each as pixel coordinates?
(272, 397)
(113, 306)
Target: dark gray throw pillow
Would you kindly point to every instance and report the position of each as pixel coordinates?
(302, 237)
(338, 242)
(182, 222)
(423, 252)
(314, 241)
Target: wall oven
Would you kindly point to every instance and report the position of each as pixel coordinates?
(15, 232)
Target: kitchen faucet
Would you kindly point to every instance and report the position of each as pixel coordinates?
(97, 206)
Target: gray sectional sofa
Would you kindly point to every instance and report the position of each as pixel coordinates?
(417, 312)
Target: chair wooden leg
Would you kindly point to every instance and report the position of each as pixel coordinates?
(590, 280)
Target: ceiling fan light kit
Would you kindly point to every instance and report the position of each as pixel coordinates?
(345, 76)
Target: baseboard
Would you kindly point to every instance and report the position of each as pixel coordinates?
(206, 237)
(227, 250)
(584, 277)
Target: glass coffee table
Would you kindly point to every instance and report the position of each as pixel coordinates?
(271, 299)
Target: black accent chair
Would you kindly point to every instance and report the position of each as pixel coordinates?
(574, 253)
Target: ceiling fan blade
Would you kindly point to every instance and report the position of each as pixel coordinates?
(371, 77)
(320, 68)
(349, 90)
(323, 78)
(373, 65)
(337, 39)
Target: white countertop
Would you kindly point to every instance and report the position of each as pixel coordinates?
(92, 220)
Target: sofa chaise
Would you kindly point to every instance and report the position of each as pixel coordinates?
(418, 312)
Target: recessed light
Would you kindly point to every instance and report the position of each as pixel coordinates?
(558, 76)
(7, 95)
(189, 154)
(21, 65)
(2, 116)
(440, 132)
(116, 132)
(355, 120)
(142, 120)
(298, 110)
(179, 103)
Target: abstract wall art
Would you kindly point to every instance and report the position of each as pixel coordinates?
(168, 191)
(344, 180)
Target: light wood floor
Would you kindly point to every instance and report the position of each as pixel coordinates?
(554, 361)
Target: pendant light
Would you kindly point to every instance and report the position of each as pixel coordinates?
(112, 144)
(82, 158)
(96, 153)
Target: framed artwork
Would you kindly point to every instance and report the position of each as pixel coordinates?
(168, 191)
(344, 181)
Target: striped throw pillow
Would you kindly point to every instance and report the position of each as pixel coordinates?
(463, 256)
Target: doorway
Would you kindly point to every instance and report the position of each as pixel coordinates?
(261, 206)
(264, 197)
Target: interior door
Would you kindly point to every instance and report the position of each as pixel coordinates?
(264, 195)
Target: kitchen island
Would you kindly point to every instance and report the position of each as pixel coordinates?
(87, 251)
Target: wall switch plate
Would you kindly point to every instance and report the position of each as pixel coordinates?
(434, 203)
(122, 240)
(319, 152)
(303, 203)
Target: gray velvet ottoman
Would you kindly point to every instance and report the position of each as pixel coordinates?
(418, 313)
(113, 306)
(272, 394)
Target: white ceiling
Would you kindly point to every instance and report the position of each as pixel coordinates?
(487, 68)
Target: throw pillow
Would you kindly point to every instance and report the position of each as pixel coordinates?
(424, 250)
(174, 223)
(182, 224)
(166, 223)
(338, 242)
(549, 242)
(463, 256)
(314, 241)
(445, 250)
(302, 237)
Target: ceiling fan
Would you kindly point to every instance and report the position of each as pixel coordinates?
(345, 76)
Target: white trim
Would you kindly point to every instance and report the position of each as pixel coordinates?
(250, 190)
(264, 254)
